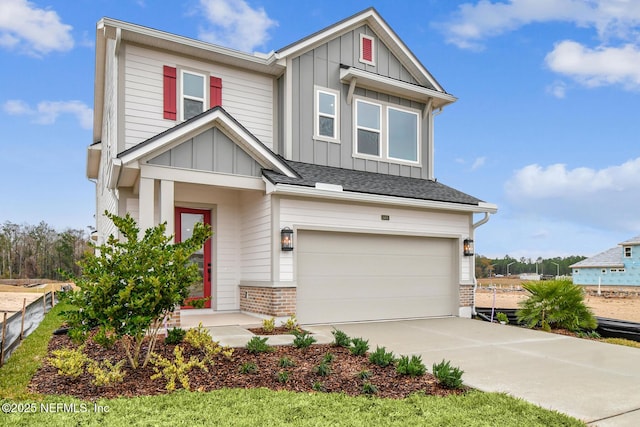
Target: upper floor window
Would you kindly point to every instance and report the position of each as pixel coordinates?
(192, 94)
(327, 115)
(367, 50)
(386, 132)
(627, 252)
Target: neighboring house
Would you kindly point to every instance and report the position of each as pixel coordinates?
(330, 137)
(617, 266)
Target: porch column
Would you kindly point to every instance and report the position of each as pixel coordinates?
(146, 204)
(167, 197)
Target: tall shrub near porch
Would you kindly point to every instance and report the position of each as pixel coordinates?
(130, 285)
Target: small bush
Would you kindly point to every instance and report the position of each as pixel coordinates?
(411, 366)
(318, 386)
(502, 317)
(282, 377)
(248, 368)
(105, 338)
(269, 325)
(323, 369)
(303, 339)
(285, 362)
(106, 373)
(368, 388)
(447, 376)
(176, 370)
(69, 362)
(341, 339)
(291, 324)
(588, 334)
(364, 374)
(382, 357)
(258, 345)
(175, 336)
(359, 346)
(198, 337)
(328, 357)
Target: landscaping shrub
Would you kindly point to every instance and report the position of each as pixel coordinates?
(368, 388)
(291, 324)
(285, 362)
(303, 339)
(340, 338)
(323, 369)
(382, 357)
(175, 336)
(555, 304)
(447, 376)
(269, 325)
(248, 368)
(411, 366)
(359, 346)
(283, 377)
(258, 345)
(106, 373)
(130, 284)
(70, 362)
(176, 370)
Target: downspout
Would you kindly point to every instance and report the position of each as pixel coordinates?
(483, 221)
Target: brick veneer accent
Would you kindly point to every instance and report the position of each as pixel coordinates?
(268, 301)
(174, 319)
(466, 295)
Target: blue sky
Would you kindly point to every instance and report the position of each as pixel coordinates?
(546, 125)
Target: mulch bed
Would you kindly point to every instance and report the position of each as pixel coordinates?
(280, 330)
(226, 373)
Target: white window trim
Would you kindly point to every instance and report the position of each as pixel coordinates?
(356, 127)
(384, 134)
(395, 159)
(182, 96)
(373, 50)
(630, 249)
(317, 114)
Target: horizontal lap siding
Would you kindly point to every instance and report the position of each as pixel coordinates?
(246, 96)
(255, 249)
(309, 213)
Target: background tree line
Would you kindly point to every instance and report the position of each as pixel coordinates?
(487, 267)
(39, 251)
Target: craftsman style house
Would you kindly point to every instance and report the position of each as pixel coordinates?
(313, 164)
(619, 266)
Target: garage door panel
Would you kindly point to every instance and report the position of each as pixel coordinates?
(352, 277)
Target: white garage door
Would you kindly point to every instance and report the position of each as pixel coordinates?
(346, 277)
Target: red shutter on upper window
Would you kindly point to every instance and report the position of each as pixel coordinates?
(169, 92)
(367, 49)
(215, 91)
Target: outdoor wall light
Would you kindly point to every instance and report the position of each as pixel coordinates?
(468, 247)
(286, 239)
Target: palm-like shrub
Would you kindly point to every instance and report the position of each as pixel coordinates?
(555, 304)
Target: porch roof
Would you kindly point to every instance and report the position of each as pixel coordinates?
(315, 176)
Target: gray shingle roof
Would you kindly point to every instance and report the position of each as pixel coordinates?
(610, 258)
(631, 242)
(371, 183)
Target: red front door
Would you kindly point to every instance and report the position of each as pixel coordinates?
(186, 218)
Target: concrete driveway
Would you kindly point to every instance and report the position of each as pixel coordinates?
(595, 382)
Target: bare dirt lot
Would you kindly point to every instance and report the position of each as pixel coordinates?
(622, 303)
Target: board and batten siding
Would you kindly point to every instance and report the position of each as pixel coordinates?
(247, 96)
(255, 237)
(334, 216)
(320, 67)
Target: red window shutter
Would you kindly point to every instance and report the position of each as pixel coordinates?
(367, 49)
(169, 92)
(215, 91)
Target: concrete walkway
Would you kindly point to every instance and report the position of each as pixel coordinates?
(596, 382)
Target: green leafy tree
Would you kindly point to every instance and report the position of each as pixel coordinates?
(128, 286)
(555, 304)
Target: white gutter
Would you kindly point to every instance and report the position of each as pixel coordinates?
(483, 221)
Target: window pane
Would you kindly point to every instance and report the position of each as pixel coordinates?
(193, 85)
(326, 126)
(187, 222)
(327, 103)
(192, 108)
(368, 115)
(368, 142)
(403, 135)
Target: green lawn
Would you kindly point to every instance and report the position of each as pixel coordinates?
(255, 407)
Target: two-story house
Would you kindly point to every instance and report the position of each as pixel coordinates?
(313, 164)
(619, 266)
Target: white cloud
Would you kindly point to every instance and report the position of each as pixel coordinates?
(605, 198)
(478, 163)
(47, 112)
(236, 24)
(558, 89)
(597, 67)
(34, 31)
